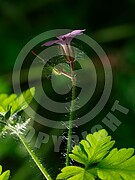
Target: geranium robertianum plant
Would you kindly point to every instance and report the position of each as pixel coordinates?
(64, 42)
(94, 156)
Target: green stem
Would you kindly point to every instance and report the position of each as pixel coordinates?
(70, 119)
(35, 158)
(32, 154)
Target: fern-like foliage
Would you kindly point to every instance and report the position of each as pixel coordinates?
(14, 103)
(5, 175)
(11, 108)
(98, 161)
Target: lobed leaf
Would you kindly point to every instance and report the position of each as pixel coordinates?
(75, 173)
(16, 103)
(11, 108)
(93, 149)
(119, 164)
(99, 163)
(6, 103)
(23, 100)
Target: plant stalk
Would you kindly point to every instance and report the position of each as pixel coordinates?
(71, 116)
(32, 154)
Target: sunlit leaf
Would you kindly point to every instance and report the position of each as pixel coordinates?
(8, 100)
(93, 149)
(3, 97)
(5, 175)
(2, 110)
(22, 101)
(75, 173)
(119, 164)
(98, 162)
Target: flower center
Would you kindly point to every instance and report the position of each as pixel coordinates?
(64, 38)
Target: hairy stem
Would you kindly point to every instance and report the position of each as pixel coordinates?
(32, 154)
(34, 157)
(71, 118)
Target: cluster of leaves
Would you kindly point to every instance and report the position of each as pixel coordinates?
(11, 108)
(5, 175)
(94, 156)
(97, 161)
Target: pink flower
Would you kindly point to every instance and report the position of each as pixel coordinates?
(64, 41)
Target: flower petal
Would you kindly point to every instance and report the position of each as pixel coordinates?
(76, 33)
(49, 43)
(71, 34)
(65, 39)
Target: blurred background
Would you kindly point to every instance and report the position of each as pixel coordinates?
(112, 25)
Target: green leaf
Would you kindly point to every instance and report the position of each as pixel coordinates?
(98, 162)
(75, 173)
(16, 103)
(23, 100)
(8, 100)
(2, 110)
(119, 164)
(9, 105)
(5, 175)
(3, 97)
(5, 102)
(93, 149)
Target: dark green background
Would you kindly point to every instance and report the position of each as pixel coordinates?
(111, 24)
